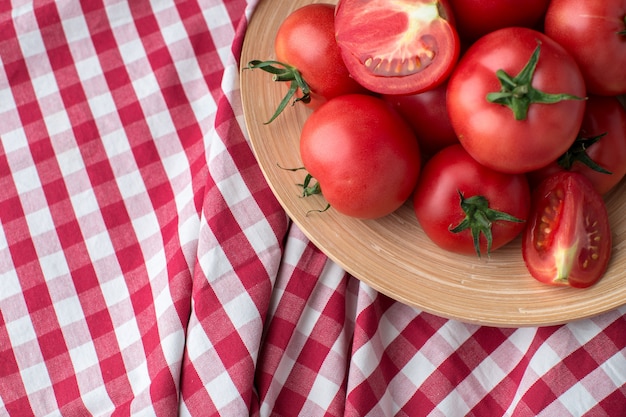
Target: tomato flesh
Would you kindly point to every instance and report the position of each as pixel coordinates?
(395, 46)
(567, 240)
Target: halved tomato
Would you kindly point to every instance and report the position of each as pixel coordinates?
(567, 240)
(397, 46)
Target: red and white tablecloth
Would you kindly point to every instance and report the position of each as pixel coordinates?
(147, 270)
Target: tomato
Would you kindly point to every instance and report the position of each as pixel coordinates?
(365, 158)
(479, 17)
(454, 190)
(308, 58)
(427, 113)
(515, 100)
(567, 240)
(397, 46)
(599, 152)
(594, 33)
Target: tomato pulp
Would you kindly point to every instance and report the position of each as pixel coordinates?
(396, 46)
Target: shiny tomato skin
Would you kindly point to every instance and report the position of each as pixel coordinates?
(480, 17)
(489, 131)
(594, 33)
(602, 115)
(567, 240)
(437, 205)
(364, 156)
(428, 115)
(397, 46)
(306, 41)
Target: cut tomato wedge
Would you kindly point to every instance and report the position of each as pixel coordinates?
(397, 46)
(567, 240)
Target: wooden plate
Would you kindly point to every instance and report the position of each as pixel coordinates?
(392, 254)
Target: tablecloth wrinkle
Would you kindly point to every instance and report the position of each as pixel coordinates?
(146, 268)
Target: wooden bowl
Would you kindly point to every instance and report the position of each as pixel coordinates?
(392, 254)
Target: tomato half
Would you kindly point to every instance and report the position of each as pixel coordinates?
(397, 46)
(567, 240)
(496, 106)
(455, 190)
(365, 158)
(594, 33)
(599, 152)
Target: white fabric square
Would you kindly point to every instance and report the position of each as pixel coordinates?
(9, 282)
(13, 140)
(70, 161)
(21, 331)
(132, 51)
(114, 291)
(161, 124)
(26, 180)
(40, 222)
(174, 33)
(45, 84)
(75, 28)
(131, 184)
(84, 203)
(37, 377)
(127, 334)
(88, 68)
(31, 43)
(115, 143)
(102, 105)
(54, 265)
(68, 311)
(222, 390)
(146, 226)
(146, 86)
(119, 14)
(57, 123)
(215, 264)
(84, 356)
(99, 246)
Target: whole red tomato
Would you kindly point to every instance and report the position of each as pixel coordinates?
(594, 33)
(308, 58)
(397, 46)
(479, 17)
(567, 240)
(365, 158)
(427, 113)
(599, 153)
(465, 207)
(515, 100)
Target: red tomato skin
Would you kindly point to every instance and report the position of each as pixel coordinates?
(488, 131)
(428, 115)
(366, 28)
(364, 156)
(588, 30)
(580, 208)
(479, 17)
(306, 40)
(602, 115)
(437, 205)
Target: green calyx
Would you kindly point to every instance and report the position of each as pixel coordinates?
(479, 218)
(518, 94)
(623, 31)
(285, 73)
(309, 187)
(578, 152)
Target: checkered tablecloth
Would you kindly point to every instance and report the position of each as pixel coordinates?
(147, 270)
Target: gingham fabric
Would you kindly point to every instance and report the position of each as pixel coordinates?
(147, 270)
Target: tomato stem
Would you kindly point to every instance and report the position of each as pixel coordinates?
(479, 218)
(623, 31)
(578, 152)
(285, 73)
(517, 92)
